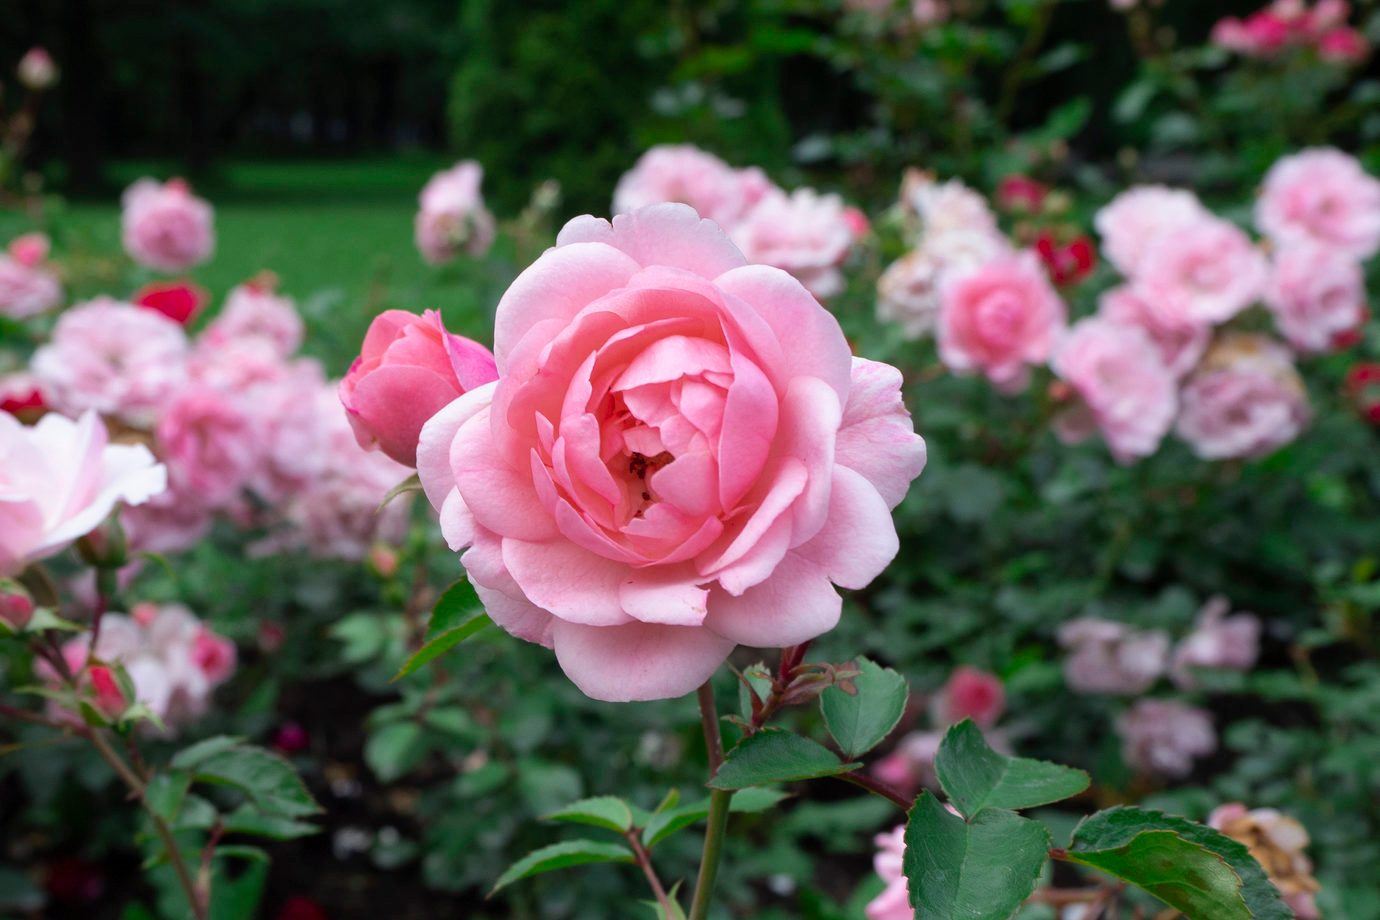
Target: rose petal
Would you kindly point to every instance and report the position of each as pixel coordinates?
(796, 604)
(877, 437)
(859, 540)
(639, 661)
(568, 581)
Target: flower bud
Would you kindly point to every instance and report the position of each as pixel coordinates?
(105, 547)
(37, 70)
(16, 606)
(107, 696)
(383, 559)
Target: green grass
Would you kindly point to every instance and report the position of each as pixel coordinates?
(338, 235)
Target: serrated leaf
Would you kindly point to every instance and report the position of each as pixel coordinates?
(562, 856)
(667, 822)
(249, 820)
(263, 777)
(975, 777)
(776, 756)
(861, 721)
(978, 870)
(1201, 873)
(604, 811)
(453, 608)
(190, 756)
(442, 643)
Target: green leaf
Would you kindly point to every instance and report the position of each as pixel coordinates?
(1192, 868)
(604, 811)
(442, 643)
(861, 721)
(165, 793)
(978, 870)
(975, 777)
(248, 820)
(562, 856)
(667, 821)
(192, 755)
(264, 778)
(394, 749)
(453, 608)
(44, 618)
(775, 756)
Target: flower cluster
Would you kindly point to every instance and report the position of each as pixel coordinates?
(804, 232)
(452, 218)
(1293, 24)
(165, 227)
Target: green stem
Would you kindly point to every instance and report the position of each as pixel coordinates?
(719, 801)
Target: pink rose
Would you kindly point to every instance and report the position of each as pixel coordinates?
(208, 442)
(999, 318)
(60, 479)
(1245, 401)
(1324, 196)
(1209, 267)
(27, 286)
(165, 227)
(1164, 737)
(894, 902)
(969, 694)
(684, 173)
(409, 368)
(908, 293)
(1317, 296)
(679, 455)
(947, 207)
(452, 218)
(1179, 340)
(37, 70)
(804, 233)
(1140, 217)
(1218, 642)
(254, 310)
(166, 524)
(1343, 45)
(113, 357)
(1124, 388)
(1109, 657)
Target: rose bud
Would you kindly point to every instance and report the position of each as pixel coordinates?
(107, 696)
(30, 249)
(37, 70)
(1021, 194)
(969, 694)
(179, 301)
(408, 370)
(1068, 263)
(105, 546)
(16, 606)
(383, 559)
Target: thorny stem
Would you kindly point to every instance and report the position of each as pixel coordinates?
(197, 898)
(719, 801)
(644, 859)
(712, 743)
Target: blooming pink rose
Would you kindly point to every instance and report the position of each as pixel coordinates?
(27, 286)
(165, 227)
(1209, 266)
(409, 368)
(804, 233)
(1140, 217)
(1179, 340)
(1246, 400)
(37, 70)
(679, 455)
(1324, 196)
(60, 479)
(452, 218)
(686, 174)
(1343, 45)
(254, 310)
(969, 694)
(894, 902)
(1317, 296)
(908, 293)
(999, 318)
(207, 439)
(1164, 737)
(1124, 388)
(1110, 657)
(166, 524)
(113, 357)
(1219, 642)
(946, 207)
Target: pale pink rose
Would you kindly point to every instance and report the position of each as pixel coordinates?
(1122, 383)
(1324, 196)
(165, 227)
(894, 902)
(27, 286)
(686, 174)
(969, 694)
(804, 233)
(452, 218)
(1220, 640)
(237, 365)
(1109, 657)
(1139, 217)
(929, 12)
(999, 318)
(1179, 340)
(113, 357)
(60, 479)
(409, 368)
(680, 455)
(166, 524)
(1328, 14)
(207, 439)
(1209, 267)
(908, 293)
(293, 432)
(1317, 296)
(1246, 400)
(254, 310)
(1164, 737)
(947, 207)
(1279, 844)
(37, 71)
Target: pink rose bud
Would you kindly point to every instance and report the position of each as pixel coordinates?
(16, 607)
(290, 738)
(383, 560)
(408, 370)
(970, 694)
(30, 249)
(37, 70)
(179, 301)
(857, 221)
(107, 695)
(1021, 194)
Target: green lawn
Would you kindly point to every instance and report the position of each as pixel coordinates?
(338, 234)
